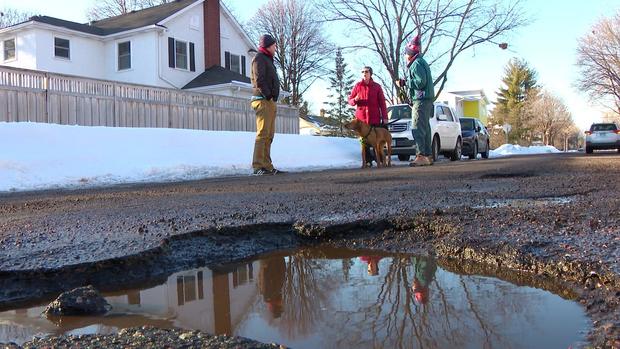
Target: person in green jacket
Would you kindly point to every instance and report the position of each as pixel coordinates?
(421, 92)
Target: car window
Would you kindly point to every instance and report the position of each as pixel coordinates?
(603, 127)
(399, 112)
(480, 125)
(446, 110)
(438, 110)
(467, 124)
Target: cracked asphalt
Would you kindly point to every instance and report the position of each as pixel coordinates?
(547, 216)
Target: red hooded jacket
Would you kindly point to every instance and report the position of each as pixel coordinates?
(371, 106)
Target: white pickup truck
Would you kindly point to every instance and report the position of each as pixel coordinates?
(445, 131)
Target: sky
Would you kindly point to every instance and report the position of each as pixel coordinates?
(548, 44)
(50, 156)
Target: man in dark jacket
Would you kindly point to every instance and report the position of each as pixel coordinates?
(265, 95)
(369, 99)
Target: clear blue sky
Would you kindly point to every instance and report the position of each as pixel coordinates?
(548, 44)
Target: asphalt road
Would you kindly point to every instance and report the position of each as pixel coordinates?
(554, 215)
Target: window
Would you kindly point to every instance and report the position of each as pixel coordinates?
(9, 49)
(448, 112)
(61, 48)
(180, 54)
(124, 55)
(438, 111)
(234, 63)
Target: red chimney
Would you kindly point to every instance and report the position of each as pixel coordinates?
(212, 33)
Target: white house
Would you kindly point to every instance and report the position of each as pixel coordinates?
(185, 44)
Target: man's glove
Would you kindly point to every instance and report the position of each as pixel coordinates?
(383, 124)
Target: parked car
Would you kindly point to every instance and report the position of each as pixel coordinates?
(445, 132)
(475, 138)
(603, 136)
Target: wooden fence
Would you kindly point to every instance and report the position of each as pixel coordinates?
(30, 95)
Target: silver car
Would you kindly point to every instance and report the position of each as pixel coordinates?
(603, 136)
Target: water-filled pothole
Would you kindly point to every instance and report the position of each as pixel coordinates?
(327, 298)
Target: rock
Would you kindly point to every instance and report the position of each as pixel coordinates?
(80, 301)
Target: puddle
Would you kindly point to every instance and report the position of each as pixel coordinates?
(523, 203)
(327, 298)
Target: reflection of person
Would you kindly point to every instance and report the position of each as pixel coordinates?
(373, 264)
(368, 96)
(425, 269)
(264, 97)
(421, 93)
(270, 283)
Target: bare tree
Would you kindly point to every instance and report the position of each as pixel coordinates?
(9, 17)
(302, 49)
(599, 61)
(547, 116)
(111, 8)
(447, 28)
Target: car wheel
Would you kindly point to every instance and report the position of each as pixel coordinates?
(588, 150)
(485, 154)
(457, 152)
(435, 148)
(403, 157)
(474, 153)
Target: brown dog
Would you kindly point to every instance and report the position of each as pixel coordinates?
(377, 137)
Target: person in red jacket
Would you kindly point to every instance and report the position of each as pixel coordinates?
(369, 100)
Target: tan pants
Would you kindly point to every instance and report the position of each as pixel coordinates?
(265, 129)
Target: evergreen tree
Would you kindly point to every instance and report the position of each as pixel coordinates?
(341, 84)
(519, 83)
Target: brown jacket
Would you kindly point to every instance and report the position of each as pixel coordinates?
(265, 77)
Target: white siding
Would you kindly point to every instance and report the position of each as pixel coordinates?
(187, 27)
(25, 49)
(143, 59)
(233, 42)
(87, 56)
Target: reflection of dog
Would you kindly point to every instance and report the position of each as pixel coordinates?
(377, 137)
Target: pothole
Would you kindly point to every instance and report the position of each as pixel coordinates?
(324, 297)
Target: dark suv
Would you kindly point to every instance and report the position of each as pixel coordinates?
(475, 138)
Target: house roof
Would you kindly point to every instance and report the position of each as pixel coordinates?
(117, 24)
(216, 75)
(141, 18)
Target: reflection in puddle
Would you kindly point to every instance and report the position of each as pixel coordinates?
(325, 298)
(523, 203)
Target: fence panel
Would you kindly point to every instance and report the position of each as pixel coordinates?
(30, 95)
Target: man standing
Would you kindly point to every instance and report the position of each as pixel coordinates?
(368, 96)
(264, 97)
(421, 91)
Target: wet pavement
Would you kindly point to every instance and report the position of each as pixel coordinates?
(520, 218)
(310, 297)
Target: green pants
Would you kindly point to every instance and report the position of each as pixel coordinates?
(265, 129)
(422, 113)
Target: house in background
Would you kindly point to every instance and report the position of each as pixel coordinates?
(471, 103)
(195, 45)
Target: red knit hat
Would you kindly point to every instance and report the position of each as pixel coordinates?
(413, 47)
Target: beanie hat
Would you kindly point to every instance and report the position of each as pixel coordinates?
(266, 41)
(413, 47)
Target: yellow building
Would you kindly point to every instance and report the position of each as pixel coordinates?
(471, 103)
